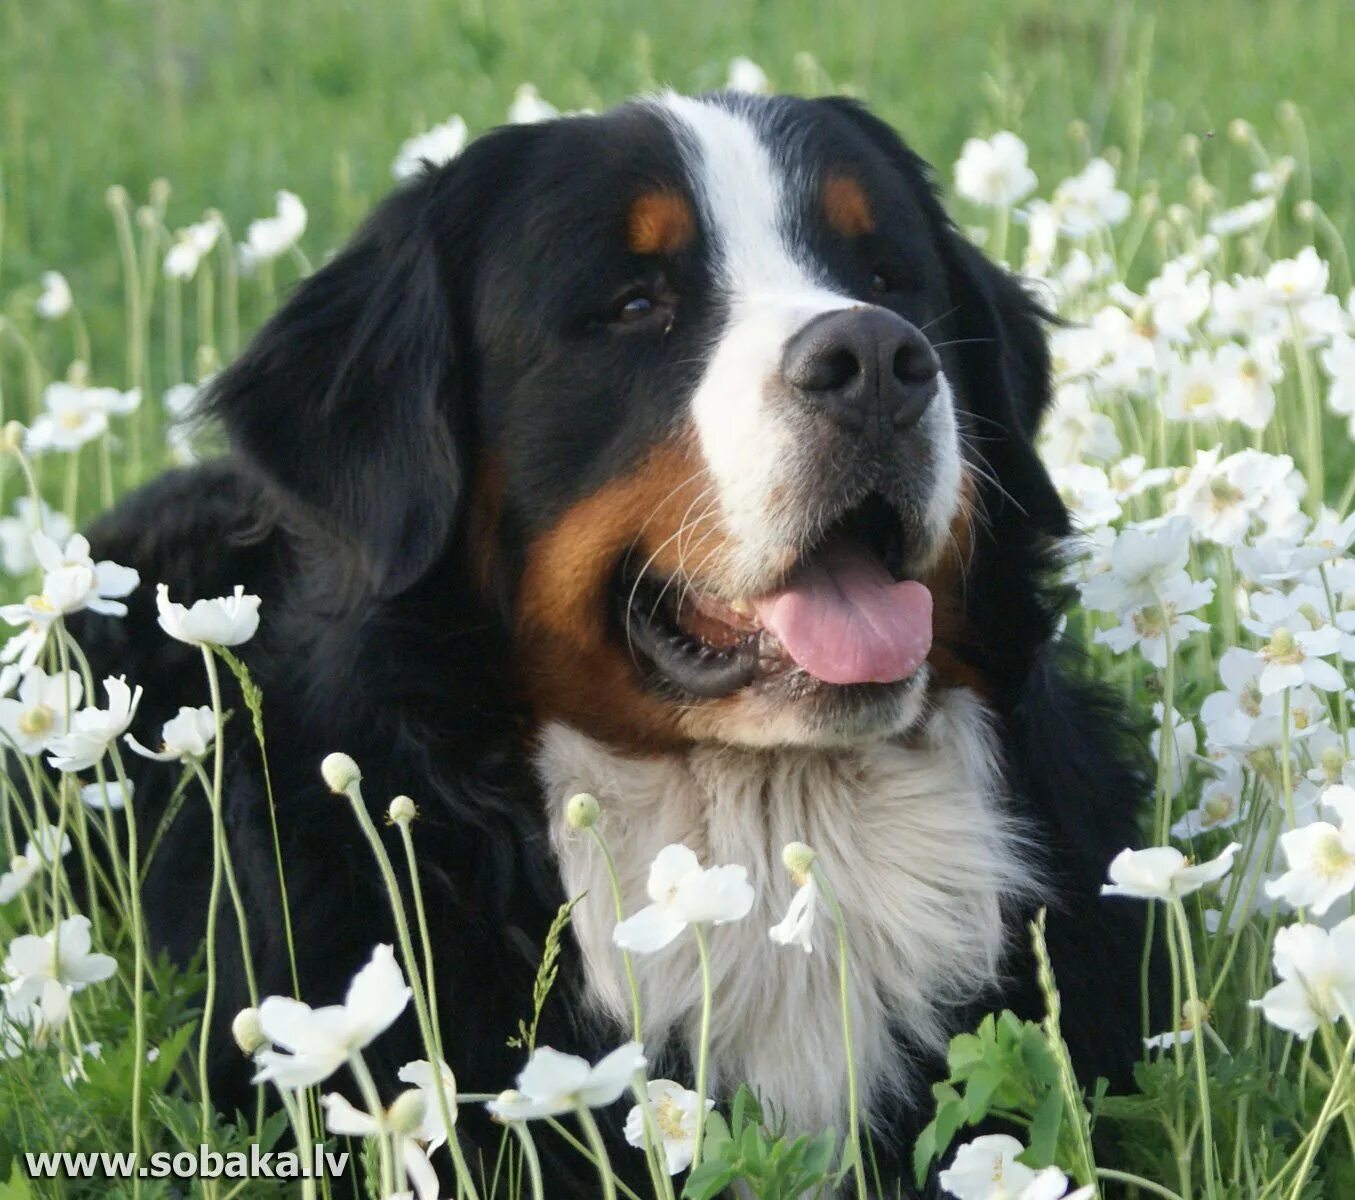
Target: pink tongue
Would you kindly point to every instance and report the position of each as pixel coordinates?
(844, 620)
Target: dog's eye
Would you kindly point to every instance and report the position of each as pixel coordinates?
(633, 306)
(881, 282)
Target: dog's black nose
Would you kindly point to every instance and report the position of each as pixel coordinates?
(863, 366)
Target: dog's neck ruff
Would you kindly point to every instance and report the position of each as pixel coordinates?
(914, 836)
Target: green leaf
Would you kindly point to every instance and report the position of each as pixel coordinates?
(1044, 1131)
(979, 1093)
(708, 1180)
(924, 1150)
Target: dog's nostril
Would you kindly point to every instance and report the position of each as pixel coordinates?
(914, 363)
(832, 368)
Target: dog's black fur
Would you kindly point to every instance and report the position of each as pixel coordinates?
(358, 418)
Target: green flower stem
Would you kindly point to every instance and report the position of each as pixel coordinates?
(430, 1039)
(1211, 1179)
(703, 1045)
(594, 1138)
(1155, 1189)
(659, 1177)
(588, 1154)
(1312, 407)
(844, 997)
(372, 1099)
(637, 1032)
(138, 961)
(524, 1136)
(298, 1112)
(232, 885)
(215, 797)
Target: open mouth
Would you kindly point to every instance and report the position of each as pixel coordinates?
(844, 615)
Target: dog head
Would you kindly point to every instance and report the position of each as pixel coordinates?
(716, 407)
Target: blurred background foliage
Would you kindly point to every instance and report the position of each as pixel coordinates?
(232, 100)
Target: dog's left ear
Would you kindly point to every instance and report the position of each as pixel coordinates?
(997, 333)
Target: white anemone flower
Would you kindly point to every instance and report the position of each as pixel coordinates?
(1090, 201)
(1074, 430)
(553, 1083)
(987, 1169)
(16, 533)
(1338, 360)
(184, 738)
(678, 1113)
(1243, 218)
(271, 237)
(1140, 563)
(225, 621)
(796, 928)
(1177, 300)
(22, 871)
(1317, 978)
(1164, 873)
(1220, 805)
(528, 108)
(1086, 492)
(38, 715)
(1294, 281)
(746, 76)
(343, 1118)
(433, 1132)
(995, 171)
(684, 893)
(56, 300)
(431, 149)
(70, 420)
(63, 956)
(1226, 497)
(72, 580)
(93, 730)
(1321, 861)
(320, 1040)
(191, 245)
(111, 794)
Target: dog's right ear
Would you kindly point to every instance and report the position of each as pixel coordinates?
(352, 402)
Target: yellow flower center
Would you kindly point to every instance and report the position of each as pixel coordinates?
(1282, 648)
(73, 419)
(40, 603)
(36, 720)
(1198, 395)
(1224, 494)
(1218, 807)
(1332, 859)
(668, 1116)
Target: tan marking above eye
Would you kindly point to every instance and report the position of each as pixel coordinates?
(845, 206)
(660, 222)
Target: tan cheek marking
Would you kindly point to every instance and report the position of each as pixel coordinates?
(845, 206)
(951, 632)
(660, 223)
(574, 667)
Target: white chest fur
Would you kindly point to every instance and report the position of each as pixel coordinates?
(915, 839)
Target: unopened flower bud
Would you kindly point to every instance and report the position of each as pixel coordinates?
(506, 1099)
(1190, 145)
(116, 196)
(1287, 111)
(798, 858)
(147, 217)
(401, 811)
(247, 1030)
(1241, 131)
(13, 436)
(159, 192)
(77, 374)
(582, 811)
(405, 1115)
(1306, 211)
(1194, 1013)
(340, 772)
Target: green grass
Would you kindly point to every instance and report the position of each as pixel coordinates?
(232, 101)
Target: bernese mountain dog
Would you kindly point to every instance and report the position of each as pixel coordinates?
(682, 455)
